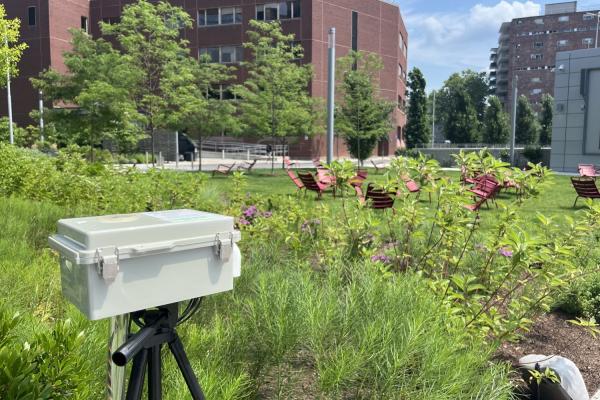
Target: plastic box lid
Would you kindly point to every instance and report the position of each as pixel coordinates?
(137, 234)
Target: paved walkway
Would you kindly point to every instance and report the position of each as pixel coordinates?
(210, 164)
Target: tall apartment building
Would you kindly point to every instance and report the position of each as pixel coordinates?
(219, 30)
(527, 49)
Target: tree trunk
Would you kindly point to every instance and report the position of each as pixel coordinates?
(152, 143)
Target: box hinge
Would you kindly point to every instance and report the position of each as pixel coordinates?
(107, 263)
(224, 247)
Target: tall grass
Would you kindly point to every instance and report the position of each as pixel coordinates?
(286, 331)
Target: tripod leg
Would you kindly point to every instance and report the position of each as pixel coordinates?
(136, 379)
(154, 373)
(186, 369)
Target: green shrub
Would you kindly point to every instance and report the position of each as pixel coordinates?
(582, 298)
(534, 154)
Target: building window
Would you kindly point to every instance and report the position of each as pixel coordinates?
(536, 80)
(220, 16)
(539, 21)
(563, 18)
(587, 42)
(588, 17)
(562, 43)
(536, 91)
(537, 56)
(280, 10)
(538, 45)
(354, 31)
(84, 24)
(212, 16)
(31, 16)
(223, 54)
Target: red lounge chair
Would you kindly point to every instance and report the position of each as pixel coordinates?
(588, 170)
(485, 189)
(412, 186)
(296, 180)
(361, 176)
(375, 198)
(378, 167)
(247, 166)
(317, 163)
(288, 163)
(223, 169)
(585, 187)
(310, 183)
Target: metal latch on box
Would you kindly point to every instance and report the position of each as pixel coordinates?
(107, 263)
(224, 248)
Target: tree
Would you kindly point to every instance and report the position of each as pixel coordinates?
(418, 132)
(546, 120)
(496, 123)
(527, 124)
(95, 95)
(149, 36)
(462, 126)
(362, 118)
(207, 114)
(274, 99)
(10, 48)
(475, 84)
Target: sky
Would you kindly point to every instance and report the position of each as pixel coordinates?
(447, 36)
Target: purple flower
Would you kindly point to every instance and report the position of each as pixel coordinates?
(267, 214)
(505, 252)
(244, 222)
(381, 258)
(316, 221)
(250, 212)
(305, 226)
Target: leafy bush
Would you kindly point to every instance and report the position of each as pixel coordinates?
(534, 154)
(582, 298)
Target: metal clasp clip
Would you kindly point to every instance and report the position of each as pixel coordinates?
(107, 263)
(224, 248)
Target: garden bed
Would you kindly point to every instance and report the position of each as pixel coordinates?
(553, 335)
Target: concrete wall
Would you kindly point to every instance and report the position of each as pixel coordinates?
(576, 125)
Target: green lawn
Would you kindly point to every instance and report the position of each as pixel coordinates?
(555, 200)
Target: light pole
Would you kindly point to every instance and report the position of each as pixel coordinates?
(597, 15)
(433, 123)
(331, 96)
(8, 93)
(514, 120)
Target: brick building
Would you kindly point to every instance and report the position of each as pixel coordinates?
(219, 30)
(527, 48)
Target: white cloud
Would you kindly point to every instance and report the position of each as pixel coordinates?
(455, 41)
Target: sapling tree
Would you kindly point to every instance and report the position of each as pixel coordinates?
(496, 129)
(274, 100)
(418, 131)
(546, 120)
(461, 124)
(149, 37)
(93, 100)
(527, 124)
(363, 118)
(11, 49)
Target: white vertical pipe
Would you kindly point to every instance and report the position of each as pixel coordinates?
(514, 120)
(433, 123)
(41, 116)
(331, 96)
(176, 149)
(8, 92)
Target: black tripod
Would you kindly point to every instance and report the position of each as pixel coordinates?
(144, 347)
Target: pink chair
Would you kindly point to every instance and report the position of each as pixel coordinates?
(296, 180)
(588, 170)
(310, 183)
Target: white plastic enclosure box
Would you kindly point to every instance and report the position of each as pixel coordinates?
(116, 264)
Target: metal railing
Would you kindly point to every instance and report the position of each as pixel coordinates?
(243, 149)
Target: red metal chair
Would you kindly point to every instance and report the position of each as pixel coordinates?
(378, 167)
(310, 183)
(296, 180)
(486, 188)
(288, 163)
(585, 187)
(359, 178)
(317, 163)
(247, 166)
(588, 170)
(223, 169)
(378, 199)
